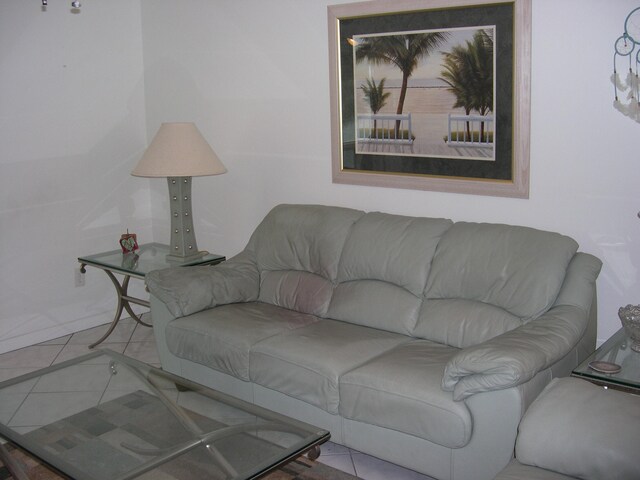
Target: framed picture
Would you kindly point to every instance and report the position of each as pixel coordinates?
(432, 95)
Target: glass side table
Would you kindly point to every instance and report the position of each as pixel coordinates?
(150, 256)
(614, 352)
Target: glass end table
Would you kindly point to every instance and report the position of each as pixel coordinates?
(601, 367)
(149, 257)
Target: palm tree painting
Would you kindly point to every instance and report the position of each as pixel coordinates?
(377, 98)
(403, 51)
(434, 81)
(468, 71)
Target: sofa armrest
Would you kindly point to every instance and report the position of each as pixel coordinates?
(189, 290)
(515, 357)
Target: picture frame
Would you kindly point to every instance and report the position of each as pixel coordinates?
(441, 138)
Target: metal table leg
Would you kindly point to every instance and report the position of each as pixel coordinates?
(124, 303)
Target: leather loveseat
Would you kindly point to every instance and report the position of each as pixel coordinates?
(417, 340)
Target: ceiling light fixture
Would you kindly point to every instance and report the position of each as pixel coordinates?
(75, 5)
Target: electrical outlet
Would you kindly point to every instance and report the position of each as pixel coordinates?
(79, 277)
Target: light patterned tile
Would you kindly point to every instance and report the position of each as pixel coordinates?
(9, 403)
(339, 462)
(9, 373)
(216, 410)
(110, 394)
(77, 350)
(143, 334)
(372, 468)
(76, 378)
(57, 341)
(146, 352)
(124, 379)
(330, 448)
(122, 333)
(45, 408)
(36, 356)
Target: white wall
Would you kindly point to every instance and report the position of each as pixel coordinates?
(78, 101)
(71, 128)
(253, 75)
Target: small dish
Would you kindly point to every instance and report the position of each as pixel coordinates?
(605, 367)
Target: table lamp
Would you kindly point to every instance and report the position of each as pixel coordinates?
(179, 152)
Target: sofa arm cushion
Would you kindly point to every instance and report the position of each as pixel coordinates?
(189, 290)
(517, 356)
(579, 429)
(514, 357)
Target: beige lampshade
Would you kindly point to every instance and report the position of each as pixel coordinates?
(178, 150)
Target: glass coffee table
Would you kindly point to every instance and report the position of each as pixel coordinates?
(613, 365)
(149, 257)
(105, 416)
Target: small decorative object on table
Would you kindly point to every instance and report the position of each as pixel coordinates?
(130, 260)
(128, 242)
(630, 317)
(605, 367)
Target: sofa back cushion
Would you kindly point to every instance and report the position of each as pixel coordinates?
(462, 323)
(297, 249)
(384, 269)
(487, 279)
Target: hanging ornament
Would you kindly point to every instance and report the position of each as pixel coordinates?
(627, 92)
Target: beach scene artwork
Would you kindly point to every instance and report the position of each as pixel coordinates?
(426, 93)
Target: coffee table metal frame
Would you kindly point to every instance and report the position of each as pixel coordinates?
(149, 377)
(150, 256)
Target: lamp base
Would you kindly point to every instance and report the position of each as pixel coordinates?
(188, 258)
(183, 237)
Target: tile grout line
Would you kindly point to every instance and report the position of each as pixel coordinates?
(63, 347)
(353, 463)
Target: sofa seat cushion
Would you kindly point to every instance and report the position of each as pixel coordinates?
(401, 390)
(221, 338)
(308, 362)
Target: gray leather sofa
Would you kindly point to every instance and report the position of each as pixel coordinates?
(418, 340)
(577, 430)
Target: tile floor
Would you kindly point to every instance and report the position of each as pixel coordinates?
(138, 342)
